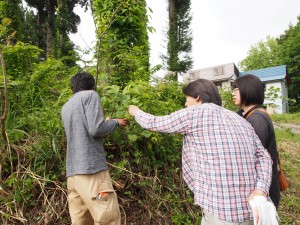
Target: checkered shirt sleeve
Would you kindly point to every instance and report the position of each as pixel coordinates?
(223, 161)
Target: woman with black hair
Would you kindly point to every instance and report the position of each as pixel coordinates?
(248, 93)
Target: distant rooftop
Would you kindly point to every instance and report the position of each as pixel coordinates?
(268, 74)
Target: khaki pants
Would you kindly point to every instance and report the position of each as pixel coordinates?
(85, 206)
(209, 219)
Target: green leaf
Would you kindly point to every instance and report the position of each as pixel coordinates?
(132, 137)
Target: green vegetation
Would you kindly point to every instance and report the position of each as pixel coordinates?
(288, 145)
(178, 59)
(280, 51)
(122, 40)
(37, 62)
(226, 95)
(293, 118)
(261, 55)
(145, 166)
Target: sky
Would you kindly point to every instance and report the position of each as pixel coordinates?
(223, 31)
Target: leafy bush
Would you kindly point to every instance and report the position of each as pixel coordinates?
(148, 163)
(226, 97)
(33, 162)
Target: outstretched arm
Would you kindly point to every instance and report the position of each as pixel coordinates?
(177, 122)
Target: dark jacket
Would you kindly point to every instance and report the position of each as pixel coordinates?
(264, 129)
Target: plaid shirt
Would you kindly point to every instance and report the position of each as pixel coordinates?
(223, 161)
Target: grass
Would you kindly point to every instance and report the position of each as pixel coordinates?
(293, 118)
(289, 149)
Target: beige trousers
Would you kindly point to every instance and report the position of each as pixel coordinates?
(209, 219)
(86, 206)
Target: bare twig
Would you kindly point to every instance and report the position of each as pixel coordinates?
(23, 220)
(132, 173)
(5, 111)
(4, 115)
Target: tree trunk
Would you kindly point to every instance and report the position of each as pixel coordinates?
(50, 27)
(173, 54)
(171, 10)
(61, 35)
(40, 31)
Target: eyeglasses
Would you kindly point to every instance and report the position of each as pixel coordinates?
(235, 90)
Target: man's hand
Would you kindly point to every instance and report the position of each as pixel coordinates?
(122, 122)
(133, 110)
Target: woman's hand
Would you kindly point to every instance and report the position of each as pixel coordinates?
(132, 109)
(257, 192)
(255, 208)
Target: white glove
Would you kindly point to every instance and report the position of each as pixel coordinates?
(264, 211)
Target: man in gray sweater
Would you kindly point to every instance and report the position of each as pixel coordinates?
(91, 197)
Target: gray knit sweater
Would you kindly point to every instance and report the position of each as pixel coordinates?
(85, 127)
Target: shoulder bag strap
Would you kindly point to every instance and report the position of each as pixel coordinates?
(266, 113)
(259, 109)
(278, 160)
(249, 114)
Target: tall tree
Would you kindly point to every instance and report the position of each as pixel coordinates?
(12, 9)
(54, 20)
(178, 57)
(38, 22)
(51, 5)
(122, 39)
(284, 50)
(290, 48)
(261, 55)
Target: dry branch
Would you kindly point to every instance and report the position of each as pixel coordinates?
(4, 116)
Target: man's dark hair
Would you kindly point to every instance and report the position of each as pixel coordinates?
(251, 89)
(82, 81)
(206, 90)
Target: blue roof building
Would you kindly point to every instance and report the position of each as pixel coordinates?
(275, 77)
(272, 77)
(269, 74)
